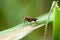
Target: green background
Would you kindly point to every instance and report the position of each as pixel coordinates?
(13, 11)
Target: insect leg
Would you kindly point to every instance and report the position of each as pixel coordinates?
(24, 21)
(36, 22)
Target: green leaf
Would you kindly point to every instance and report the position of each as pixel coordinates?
(22, 30)
(56, 23)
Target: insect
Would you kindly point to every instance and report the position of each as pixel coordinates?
(30, 19)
